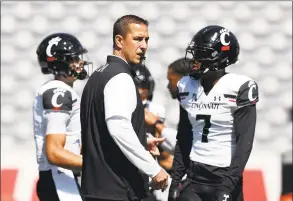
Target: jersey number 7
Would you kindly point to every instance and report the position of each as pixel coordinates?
(207, 125)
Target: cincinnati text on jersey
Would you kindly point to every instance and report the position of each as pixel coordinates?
(211, 106)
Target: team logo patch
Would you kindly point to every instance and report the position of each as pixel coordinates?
(53, 41)
(224, 38)
(58, 99)
(57, 92)
(252, 87)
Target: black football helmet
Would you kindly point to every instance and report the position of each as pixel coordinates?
(143, 78)
(57, 51)
(214, 47)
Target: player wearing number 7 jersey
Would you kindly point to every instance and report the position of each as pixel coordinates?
(217, 121)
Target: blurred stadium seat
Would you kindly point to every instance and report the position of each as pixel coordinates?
(264, 31)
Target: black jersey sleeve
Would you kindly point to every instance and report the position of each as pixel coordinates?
(57, 99)
(244, 125)
(247, 94)
(183, 147)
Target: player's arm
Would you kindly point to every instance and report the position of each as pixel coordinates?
(56, 121)
(170, 135)
(182, 149)
(118, 118)
(59, 156)
(163, 131)
(244, 125)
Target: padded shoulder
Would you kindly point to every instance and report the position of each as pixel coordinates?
(57, 99)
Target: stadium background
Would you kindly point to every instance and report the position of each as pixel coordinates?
(264, 30)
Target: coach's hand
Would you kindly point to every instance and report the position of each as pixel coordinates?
(161, 180)
(223, 196)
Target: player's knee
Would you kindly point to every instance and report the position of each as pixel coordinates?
(187, 194)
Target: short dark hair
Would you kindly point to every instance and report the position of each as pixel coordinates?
(121, 25)
(179, 67)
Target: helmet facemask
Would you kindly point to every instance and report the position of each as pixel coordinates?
(72, 65)
(208, 58)
(63, 54)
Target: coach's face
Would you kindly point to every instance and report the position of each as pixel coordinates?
(135, 43)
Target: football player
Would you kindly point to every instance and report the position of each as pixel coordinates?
(176, 70)
(145, 85)
(217, 121)
(56, 117)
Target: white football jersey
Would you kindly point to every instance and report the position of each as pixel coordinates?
(211, 115)
(56, 97)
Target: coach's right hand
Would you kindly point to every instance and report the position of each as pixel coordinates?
(161, 180)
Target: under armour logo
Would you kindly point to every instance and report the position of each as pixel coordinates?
(226, 197)
(217, 97)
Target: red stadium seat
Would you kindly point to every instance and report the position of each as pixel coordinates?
(34, 194)
(254, 186)
(8, 180)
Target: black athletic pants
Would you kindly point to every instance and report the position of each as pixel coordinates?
(202, 182)
(46, 189)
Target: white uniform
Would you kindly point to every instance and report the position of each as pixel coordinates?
(160, 111)
(56, 110)
(167, 132)
(156, 109)
(211, 115)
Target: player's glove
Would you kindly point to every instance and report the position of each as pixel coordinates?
(174, 191)
(223, 196)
